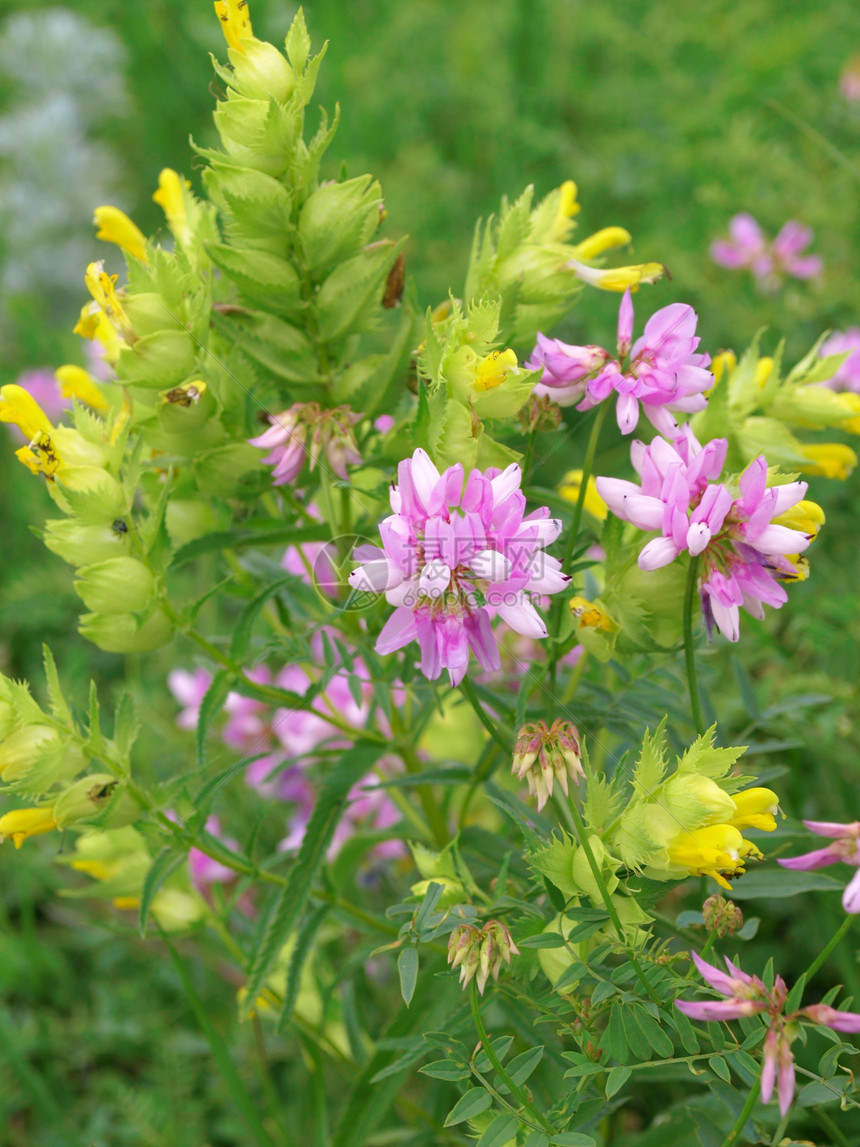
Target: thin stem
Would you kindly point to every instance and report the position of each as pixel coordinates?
(689, 651)
(732, 1136)
(830, 1127)
(587, 467)
(607, 899)
(530, 452)
(514, 1088)
(468, 691)
(829, 946)
(708, 944)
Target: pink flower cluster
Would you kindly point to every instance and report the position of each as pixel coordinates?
(743, 551)
(452, 557)
(768, 261)
(748, 996)
(662, 372)
(845, 849)
(331, 433)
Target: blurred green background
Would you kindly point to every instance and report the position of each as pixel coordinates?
(671, 117)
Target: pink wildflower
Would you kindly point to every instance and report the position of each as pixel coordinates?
(845, 849)
(746, 996)
(331, 432)
(206, 871)
(847, 377)
(661, 371)
(449, 554)
(189, 689)
(743, 550)
(768, 261)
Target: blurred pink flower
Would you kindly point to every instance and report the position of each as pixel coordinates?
(847, 377)
(189, 689)
(205, 870)
(845, 849)
(768, 261)
(849, 80)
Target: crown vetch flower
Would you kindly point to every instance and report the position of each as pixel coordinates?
(845, 848)
(768, 260)
(661, 371)
(331, 433)
(744, 549)
(544, 754)
(479, 953)
(451, 553)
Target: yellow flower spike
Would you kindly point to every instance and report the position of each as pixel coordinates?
(591, 616)
(235, 22)
(755, 808)
(19, 406)
(806, 516)
(617, 278)
(594, 504)
(852, 425)
(830, 459)
(723, 362)
(718, 850)
(26, 822)
(491, 371)
(102, 287)
(800, 571)
(603, 240)
(170, 197)
(114, 226)
(75, 382)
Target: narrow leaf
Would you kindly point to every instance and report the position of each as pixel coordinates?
(59, 707)
(210, 707)
(167, 861)
(500, 1132)
(304, 942)
(468, 1106)
(407, 970)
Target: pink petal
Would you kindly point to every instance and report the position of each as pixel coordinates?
(833, 828)
(398, 631)
(625, 324)
(851, 895)
(658, 553)
(831, 1018)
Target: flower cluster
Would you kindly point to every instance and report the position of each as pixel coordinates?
(845, 849)
(480, 952)
(331, 433)
(747, 995)
(452, 553)
(660, 371)
(544, 754)
(745, 550)
(768, 261)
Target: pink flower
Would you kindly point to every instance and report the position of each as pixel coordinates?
(845, 849)
(189, 689)
(662, 371)
(746, 996)
(206, 871)
(743, 550)
(768, 261)
(847, 377)
(450, 553)
(331, 432)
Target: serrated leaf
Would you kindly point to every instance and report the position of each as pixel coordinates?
(95, 743)
(702, 758)
(166, 862)
(291, 901)
(651, 764)
(59, 707)
(210, 707)
(126, 726)
(616, 1079)
(301, 950)
(244, 624)
(468, 1106)
(500, 1132)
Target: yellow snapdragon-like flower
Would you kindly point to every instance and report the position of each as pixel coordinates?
(170, 197)
(617, 278)
(830, 459)
(808, 517)
(102, 287)
(40, 455)
(603, 240)
(235, 22)
(756, 808)
(718, 850)
(567, 208)
(492, 371)
(93, 324)
(114, 226)
(26, 822)
(570, 486)
(591, 616)
(75, 382)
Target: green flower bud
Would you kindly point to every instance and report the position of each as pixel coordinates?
(7, 710)
(453, 891)
(722, 916)
(185, 407)
(75, 450)
(694, 801)
(88, 493)
(261, 275)
(118, 585)
(176, 910)
(555, 961)
(157, 360)
(125, 632)
(260, 72)
(584, 877)
(80, 545)
(40, 754)
(148, 314)
(90, 795)
(338, 219)
(188, 519)
(256, 134)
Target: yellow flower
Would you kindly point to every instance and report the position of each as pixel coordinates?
(594, 504)
(567, 208)
(114, 226)
(19, 406)
(591, 616)
(617, 278)
(102, 287)
(97, 869)
(235, 22)
(806, 516)
(75, 382)
(603, 240)
(763, 371)
(93, 324)
(491, 371)
(755, 808)
(717, 850)
(170, 197)
(26, 822)
(722, 362)
(800, 571)
(831, 459)
(40, 455)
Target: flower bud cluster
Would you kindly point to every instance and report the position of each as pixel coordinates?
(480, 952)
(722, 916)
(546, 754)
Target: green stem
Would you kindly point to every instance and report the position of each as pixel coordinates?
(468, 691)
(432, 812)
(708, 944)
(587, 467)
(607, 900)
(732, 1136)
(689, 650)
(512, 1087)
(530, 452)
(830, 1127)
(829, 946)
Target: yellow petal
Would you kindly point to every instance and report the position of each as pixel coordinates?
(114, 226)
(725, 360)
(75, 382)
(40, 455)
(19, 406)
(831, 459)
(170, 197)
(603, 240)
(755, 808)
(806, 516)
(102, 287)
(591, 616)
(594, 504)
(235, 22)
(494, 369)
(26, 822)
(617, 278)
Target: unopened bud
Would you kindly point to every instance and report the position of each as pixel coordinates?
(90, 795)
(540, 413)
(544, 754)
(125, 632)
(722, 916)
(480, 953)
(118, 585)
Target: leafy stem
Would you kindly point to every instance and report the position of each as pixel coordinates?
(689, 650)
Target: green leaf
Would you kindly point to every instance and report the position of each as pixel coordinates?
(407, 970)
(350, 299)
(445, 1069)
(656, 1036)
(95, 744)
(636, 1038)
(501, 1131)
(616, 1079)
(779, 883)
(304, 942)
(651, 764)
(543, 940)
(59, 707)
(573, 1139)
(522, 1065)
(615, 1040)
(293, 896)
(468, 1106)
(719, 1067)
(210, 707)
(166, 862)
(126, 726)
(244, 625)
(266, 534)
